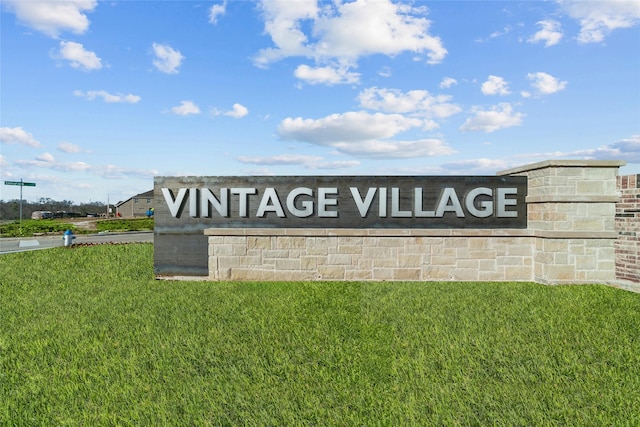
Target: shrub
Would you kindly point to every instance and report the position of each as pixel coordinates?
(30, 227)
(137, 224)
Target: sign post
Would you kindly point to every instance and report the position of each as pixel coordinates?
(21, 184)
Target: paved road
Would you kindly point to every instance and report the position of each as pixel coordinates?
(9, 245)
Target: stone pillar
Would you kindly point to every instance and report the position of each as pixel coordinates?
(571, 211)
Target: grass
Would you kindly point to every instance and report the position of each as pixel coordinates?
(125, 224)
(29, 227)
(87, 337)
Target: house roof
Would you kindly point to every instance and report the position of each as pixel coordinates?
(145, 195)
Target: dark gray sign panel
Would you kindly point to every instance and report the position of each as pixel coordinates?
(185, 206)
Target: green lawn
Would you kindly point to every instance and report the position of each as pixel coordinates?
(87, 337)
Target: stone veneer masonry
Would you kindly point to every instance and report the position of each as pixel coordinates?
(627, 246)
(569, 239)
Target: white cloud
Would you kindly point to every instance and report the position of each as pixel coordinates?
(186, 108)
(17, 136)
(72, 167)
(475, 166)
(47, 161)
(625, 149)
(395, 149)
(280, 160)
(545, 83)
(5, 171)
(238, 111)
(326, 75)
(258, 172)
(385, 72)
(550, 33)
(337, 164)
(362, 28)
(167, 59)
(67, 147)
(362, 134)
(447, 82)
(78, 57)
(216, 11)
(342, 33)
(50, 163)
(118, 172)
(309, 162)
(53, 17)
(495, 86)
(506, 30)
(599, 18)
(414, 102)
(350, 126)
(108, 97)
(500, 116)
(282, 22)
(46, 157)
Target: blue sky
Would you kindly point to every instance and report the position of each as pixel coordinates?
(97, 97)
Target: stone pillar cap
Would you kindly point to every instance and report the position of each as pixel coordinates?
(564, 163)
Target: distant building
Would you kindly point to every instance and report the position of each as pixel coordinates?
(136, 206)
(42, 215)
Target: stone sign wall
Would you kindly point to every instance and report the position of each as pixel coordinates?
(576, 225)
(569, 238)
(186, 206)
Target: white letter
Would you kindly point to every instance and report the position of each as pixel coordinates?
(174, 205)
(503, 202)
(449, 193)
(487, 205)
(207, 197)
(382, 199)
(306, 204)
(193, 202)
(419, 213)
(323, 202)
(363, 205)
(243, 194)
(270, 202)
(395, 205)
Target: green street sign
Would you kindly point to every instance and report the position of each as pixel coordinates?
(20, 183)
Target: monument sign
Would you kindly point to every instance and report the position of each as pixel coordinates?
(185, 206)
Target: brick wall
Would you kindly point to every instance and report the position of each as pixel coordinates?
(627, 221)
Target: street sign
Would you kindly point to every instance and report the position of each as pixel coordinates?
(20, 183)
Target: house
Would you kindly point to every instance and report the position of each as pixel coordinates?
(136, 206)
